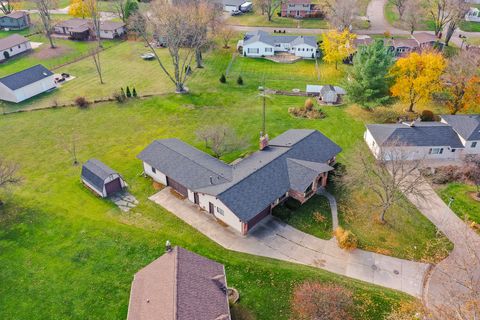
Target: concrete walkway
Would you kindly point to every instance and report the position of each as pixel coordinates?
(277, 240)
(333, 206)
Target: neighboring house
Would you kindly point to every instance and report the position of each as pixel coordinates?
(468, 129)
(112, 29)
(427, 40)
(294, 164)
(81, 29)
(298, 9)
(473, 15)
(26, 84)
(13, 45)
(16, 20)
(416, 140)
(232, 5)
(101, 179)
(262, 44)
(328, 94)
(180, 285)
(402, 47)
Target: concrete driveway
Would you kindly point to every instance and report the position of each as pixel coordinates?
(277, 240)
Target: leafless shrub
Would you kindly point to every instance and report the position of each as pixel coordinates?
(220, 139)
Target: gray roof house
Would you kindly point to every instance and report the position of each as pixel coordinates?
(294, 164)
(417, 140)
(13, 45)
(467, 126)
(101, 179)
(15, 20)
(180, 285)
(27, 83)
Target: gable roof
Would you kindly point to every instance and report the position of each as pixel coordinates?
(265, 37)
(16, 14)
(424, 37)
(409, 43)
(95, 172)
(111, 25)
(467, 126)
(422, 134)
(73, 23)
(12, 41)
(179, 285)
(25, 77)
(302, 173)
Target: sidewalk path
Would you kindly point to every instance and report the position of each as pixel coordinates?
(277, 240)
(333, 206)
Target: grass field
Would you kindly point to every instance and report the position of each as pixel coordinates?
(463, 205)
(469, 26)
(392, 16)
(256, 19)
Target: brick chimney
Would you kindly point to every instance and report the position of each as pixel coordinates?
(263, 141)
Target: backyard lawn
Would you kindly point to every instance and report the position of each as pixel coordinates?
(392, 16)
(463, 205)
(256, 19)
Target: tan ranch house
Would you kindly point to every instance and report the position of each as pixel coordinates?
(294, 164)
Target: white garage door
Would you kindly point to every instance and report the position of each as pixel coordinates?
(230, 8)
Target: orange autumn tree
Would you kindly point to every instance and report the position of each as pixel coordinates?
(471, 98)
(337, 46)
(417, 76)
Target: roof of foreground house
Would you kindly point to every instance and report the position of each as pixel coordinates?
(12, 41)
(179, 285)
(421, 134)
(25, 77)
(95, 172)
(467, 126)
(267, 38)
(254, 182)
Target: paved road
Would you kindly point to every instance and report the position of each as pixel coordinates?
(449, 280)
(277, 240)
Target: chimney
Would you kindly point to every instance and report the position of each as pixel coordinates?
(263, 141)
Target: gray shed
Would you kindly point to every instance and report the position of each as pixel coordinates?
(101, 179)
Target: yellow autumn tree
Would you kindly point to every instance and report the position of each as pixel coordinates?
(337, 46)
(417, 76)
(79, 8)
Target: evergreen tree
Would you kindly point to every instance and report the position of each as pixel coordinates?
(131, 7)
(369, 80)
(129, 94)
(134, 92)
(223, 79)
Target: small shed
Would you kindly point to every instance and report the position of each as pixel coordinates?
(328, 94)
(101, 179)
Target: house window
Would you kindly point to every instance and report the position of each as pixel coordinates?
(268, 49)
(474, 144)
(453, 150)
(219, 210)
(435, 151)
(154, 170)
(18, 47)
(252, 50)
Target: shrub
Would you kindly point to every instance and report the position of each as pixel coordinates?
(119, 97)
(307, 113)
(240, 81)
(447, 174)
(314, 300)
(81, 102)
(385, 115)
(308, 104)
(427, 115)
(346, 239)
(129, 94)
(134, 92)
(223, 79)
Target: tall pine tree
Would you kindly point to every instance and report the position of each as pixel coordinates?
(369, 82)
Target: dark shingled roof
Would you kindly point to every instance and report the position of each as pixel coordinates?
(180, 285)
(253, 183)
(467, 126)
(265, 37)
(25, 77)
(95, 172)
(12, 41)
(422, 134)
(16, 14)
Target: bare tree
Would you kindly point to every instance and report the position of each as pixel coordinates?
(459, 9)
(95, 53)
(69, 143)
(392, 177)
(401, 6)
(441, 12)
(6, 6)
(182, 29)
(8, 173)
(220, 139)
(341, 13)
(269, 7)
(225, 33)
(91, 7)
(472, 171)
(44, 7)
(413, 14)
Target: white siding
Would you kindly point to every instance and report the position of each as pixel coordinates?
(263, 49)
(15, 50)
(371, 143)
(304, 51)
(109, 34)
(157, 176)
(28, 91)
(228, 216)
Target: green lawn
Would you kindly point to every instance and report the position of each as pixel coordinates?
(256, 19)
(463, 205)
(392, 16)
(314, 217)
(27, 5)
(470, 26)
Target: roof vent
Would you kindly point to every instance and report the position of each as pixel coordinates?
(45, 74)
(410, 124)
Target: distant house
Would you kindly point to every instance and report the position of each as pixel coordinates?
(328, 94)
(295, 164)
(101, 179)
(427, 40)
(27, 83)
(298, 9)
(262, 44)
(232, 5)
(473, 15)
(467, 127)
(16, 20)
(13, 45)
(81, 29)
(180, 285)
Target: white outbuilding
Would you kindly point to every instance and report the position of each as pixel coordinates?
(13, 45)
(27, 83)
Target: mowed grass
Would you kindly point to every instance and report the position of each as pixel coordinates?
(256, 19)
(393, 17)
(463, 205)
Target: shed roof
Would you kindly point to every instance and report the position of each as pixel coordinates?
(466, 125)
(422, 134)
(12, 41)
(25, 77)
(179, 285)
(96, 172)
